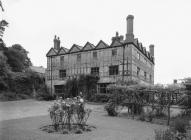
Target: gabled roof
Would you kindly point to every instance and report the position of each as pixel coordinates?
(63, 50)
(75, 48)
(88, 46)
(136, 41)
(115, 43)
(51, 52)
(101, 44)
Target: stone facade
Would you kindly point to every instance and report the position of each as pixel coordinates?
(124, 59)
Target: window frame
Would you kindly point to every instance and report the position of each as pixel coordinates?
(114, 52)
(114, 70)
(138, 71)
(62, 73)
(79, 57)
(95, 56)
(95, 71)
(145, 75)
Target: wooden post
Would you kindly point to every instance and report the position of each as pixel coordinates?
(168, 107)
(133, 110)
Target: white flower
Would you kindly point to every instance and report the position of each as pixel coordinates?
(81, 100)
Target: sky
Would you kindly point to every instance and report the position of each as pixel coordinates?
(164, 23)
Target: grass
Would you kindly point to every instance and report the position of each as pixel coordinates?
(107, 128)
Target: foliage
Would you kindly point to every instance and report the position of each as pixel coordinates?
(164, 135)
(121, 94)
(71, 88)
(17, 58)
(187, 83)
(43, 94)
(180, 125)
(4, 70)
(141, 117)
(169, 134)
(69, 113)
(84, 83)
(87, 84)
(110, 107)
(3, 23)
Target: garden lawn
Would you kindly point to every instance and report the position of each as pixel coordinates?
(107, 128)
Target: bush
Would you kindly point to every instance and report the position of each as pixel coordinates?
(164, 135)
(141, 117)
(44, 94)
(180, 125)
(110, 108)
(149, 117)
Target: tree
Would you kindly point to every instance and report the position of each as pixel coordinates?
(4, 69)
(17, 58)
(3, 23)
(27, 61)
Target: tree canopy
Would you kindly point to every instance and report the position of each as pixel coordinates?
(17, 58)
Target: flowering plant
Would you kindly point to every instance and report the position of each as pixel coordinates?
(69, 112)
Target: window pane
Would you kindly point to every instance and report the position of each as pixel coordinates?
(95, 70)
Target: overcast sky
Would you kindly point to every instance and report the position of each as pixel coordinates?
(164, 23)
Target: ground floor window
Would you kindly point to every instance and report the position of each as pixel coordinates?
(102, 88)
(95, 70)
(59, 88)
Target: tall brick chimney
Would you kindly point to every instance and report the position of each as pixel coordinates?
(56, 43)
(151, 49)
(130, 34)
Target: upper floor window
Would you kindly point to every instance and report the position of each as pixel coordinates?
(62, 74)
(138, 55)
(114, 70)
(138, 71)
(150, 77)
(95, 55)
(95, 70)
(145, 60)
(61, 60)
(114, 52)
(78, 57)
(145, 75)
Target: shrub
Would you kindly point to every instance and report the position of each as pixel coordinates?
(142, 117)
(180, 125)
(164, 135)
(149, 117)
(8, 96)
(110, 108)
(43, 94)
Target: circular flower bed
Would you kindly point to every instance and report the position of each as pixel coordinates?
(68, 116)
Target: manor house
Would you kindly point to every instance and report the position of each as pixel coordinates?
(124, 59)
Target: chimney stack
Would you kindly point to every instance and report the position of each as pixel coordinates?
(151, 49)
(130, 34)
(175, 81)
(56, 43)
